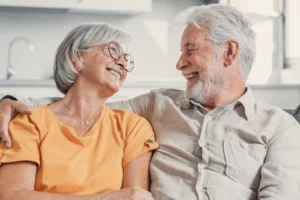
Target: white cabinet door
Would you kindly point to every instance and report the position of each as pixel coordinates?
(119, 6)
(257, 10)
(64, 4)
(114, 6)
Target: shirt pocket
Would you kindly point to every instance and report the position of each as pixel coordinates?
(244, 161)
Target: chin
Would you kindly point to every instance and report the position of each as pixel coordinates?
(115, 90)
(200, 92)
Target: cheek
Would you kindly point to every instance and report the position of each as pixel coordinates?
(199, 63)
(125, 76)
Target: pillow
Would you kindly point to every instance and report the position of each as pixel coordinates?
(296, 114)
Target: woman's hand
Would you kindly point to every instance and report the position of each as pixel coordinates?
(129, 194)
(8, 110)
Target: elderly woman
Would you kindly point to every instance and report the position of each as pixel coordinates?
(77, 148)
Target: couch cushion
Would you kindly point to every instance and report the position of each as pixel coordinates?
(296, 114)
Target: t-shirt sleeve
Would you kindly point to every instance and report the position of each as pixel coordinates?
(139, 141)
(25, 139)
(140, 105)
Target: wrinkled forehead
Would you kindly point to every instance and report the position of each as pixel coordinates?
(122, 42)
(123, 46)
(193, 35)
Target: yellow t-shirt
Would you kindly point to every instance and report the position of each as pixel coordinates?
(68, 164)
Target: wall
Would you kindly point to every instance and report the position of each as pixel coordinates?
(155, 47)
(155, 44)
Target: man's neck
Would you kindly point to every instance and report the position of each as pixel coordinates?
(228, 95)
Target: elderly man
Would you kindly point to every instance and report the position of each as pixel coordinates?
(216, 140)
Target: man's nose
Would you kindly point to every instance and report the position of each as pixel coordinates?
(182, 62)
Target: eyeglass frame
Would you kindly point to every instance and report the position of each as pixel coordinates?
(120, 56)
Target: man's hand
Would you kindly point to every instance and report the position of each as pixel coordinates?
(8, 110)
(129, 194)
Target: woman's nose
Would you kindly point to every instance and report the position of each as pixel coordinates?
(122, 62)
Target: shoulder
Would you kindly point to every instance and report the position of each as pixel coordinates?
(132, 126)
(126, 118)
(169, 95)
(128, 123)
(169, 92)
(275, 114)
(35, 124)
(37, 112)
(38, 117)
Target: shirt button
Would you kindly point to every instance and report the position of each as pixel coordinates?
(202, 144)
(201, 188)
(201, 166)
(209, 118)
(149, 141)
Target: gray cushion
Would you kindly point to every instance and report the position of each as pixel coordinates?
(296, 114)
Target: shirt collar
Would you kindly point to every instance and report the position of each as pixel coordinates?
(247, 100)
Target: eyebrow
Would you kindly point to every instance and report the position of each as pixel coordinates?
(189, 43)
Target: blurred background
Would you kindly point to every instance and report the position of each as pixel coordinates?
(31, 30)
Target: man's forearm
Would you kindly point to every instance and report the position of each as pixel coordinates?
(31, 102)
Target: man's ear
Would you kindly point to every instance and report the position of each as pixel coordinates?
(78, 66)
(231, 52)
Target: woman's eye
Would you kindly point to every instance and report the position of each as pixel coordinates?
(113, 49)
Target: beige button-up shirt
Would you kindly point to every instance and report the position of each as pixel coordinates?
(248, 150)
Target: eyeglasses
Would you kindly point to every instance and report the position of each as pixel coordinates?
(115, 52)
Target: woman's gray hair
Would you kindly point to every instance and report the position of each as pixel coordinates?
(81, 38)
(225, 23)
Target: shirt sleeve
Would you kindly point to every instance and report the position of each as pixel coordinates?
(25, 141)
(140, 105)
(32, 102)
(140, 140)
(280, 174)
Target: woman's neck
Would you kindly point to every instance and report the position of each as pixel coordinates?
(85, 102)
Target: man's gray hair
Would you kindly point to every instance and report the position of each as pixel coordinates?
(81, 38)
(225, 23)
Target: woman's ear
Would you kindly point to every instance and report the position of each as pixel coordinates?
(77, 66)
(231, 52)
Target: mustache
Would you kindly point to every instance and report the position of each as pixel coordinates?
(189, 69)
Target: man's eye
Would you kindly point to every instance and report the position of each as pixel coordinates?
(190, 51)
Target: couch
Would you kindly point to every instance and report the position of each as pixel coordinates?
(295, 113)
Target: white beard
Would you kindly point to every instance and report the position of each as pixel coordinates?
(208, 85)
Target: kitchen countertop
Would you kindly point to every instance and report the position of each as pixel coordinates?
(135, 84)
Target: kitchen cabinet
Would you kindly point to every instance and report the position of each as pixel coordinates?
(257, 10)
(61, 4)
(115, 6)
(111, 6)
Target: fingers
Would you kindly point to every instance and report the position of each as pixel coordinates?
(142, 191)
(4, 120)
(8, 110)
(20, 108)
(5, 139)
(129, 194)
(140, 194)
(5, 116)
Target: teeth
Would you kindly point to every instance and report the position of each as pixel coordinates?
(116, 74)
(191, 76)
